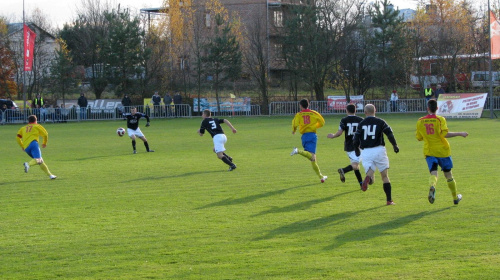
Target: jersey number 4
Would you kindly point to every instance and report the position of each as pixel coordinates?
(369, 131)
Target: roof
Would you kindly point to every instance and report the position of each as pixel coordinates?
(18, 27)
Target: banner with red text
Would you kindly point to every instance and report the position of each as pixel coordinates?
(461, 105)
(340, 102)
(29, 45)
(495, 36)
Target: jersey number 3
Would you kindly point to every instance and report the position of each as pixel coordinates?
(214, 125)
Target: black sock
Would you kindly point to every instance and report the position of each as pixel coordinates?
(387, 190)
(358, 176)
(347, 168)
(226, 161)
(133, 144)
(230, 158)
(146, 145)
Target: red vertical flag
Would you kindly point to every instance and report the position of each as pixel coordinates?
(29, 45)
(495, 36)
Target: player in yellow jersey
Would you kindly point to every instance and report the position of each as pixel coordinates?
(27, 138)
(433, 130)
(308, 121)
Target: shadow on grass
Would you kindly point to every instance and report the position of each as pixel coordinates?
(173, 176)
(42, 178)
(301, 205)
(250, 198)
(313, 224)
(374, 231)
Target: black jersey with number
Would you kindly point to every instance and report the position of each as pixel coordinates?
(212, 126)
(370, 132)
(133, 120)
(349, 125)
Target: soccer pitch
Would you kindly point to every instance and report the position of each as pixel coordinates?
(178, 214)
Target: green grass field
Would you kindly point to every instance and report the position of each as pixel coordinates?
(178, 214)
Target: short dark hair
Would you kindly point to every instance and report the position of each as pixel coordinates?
(432, 105)
(351, 108)
(207, 112)
(32, 119)
(304, 103)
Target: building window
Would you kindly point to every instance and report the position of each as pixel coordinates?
(278, 52)
(278, 18)
(208, 20)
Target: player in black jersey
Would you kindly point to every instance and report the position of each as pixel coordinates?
(349, 124)
(370, 139)
(212, 125)
(133, 129)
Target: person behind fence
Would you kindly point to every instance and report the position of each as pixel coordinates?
(3, 114)
(308, 121)
(126, 102)
(44, 113)
(177, 103)
(167, 100)
(439, 90)
(369, 137)
(429, 93)
(38, 102)
(83, 103)
(394, 101)
(349, 125)
(156, 98)
(433, 130)
(133, 129)
(212, 125)
(64, 113)
(28, 137)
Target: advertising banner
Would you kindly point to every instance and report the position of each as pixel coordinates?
(239, 104)
(29, 44)
(96, 105)
(461, 105)
(340, 102)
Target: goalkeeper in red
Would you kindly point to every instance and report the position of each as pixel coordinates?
(27, 138)
(308, 121)
(432, 129)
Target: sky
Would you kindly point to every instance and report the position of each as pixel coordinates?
(61, 11)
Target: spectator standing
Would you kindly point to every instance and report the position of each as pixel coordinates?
(126, 102)
(177, 103)
(370, 139)
(394, 101)
(43, 114)
(37, 104)
(439, 90)
(156, 103)
(167, 100)
(3, 114)
(83, 103)
(429, 93)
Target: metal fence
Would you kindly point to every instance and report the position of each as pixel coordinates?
(76, 114)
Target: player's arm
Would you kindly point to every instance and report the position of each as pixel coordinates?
(321, 120)
(418, 135)
(147, 119)
(19, 139)
(44, 134)
(230, 125)
(201, 131)
(455, 134)
(392, 139)
(337, 134)
(295, 124)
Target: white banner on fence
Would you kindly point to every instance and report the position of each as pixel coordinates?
(238, 104)
(97, 104)
(461, 105)
(340, 102)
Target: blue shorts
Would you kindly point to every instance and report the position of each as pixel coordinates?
(445, 162)
(309, 141)
(33, 150)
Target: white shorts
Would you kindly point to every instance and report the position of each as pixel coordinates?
(375, 158)
(137, 132)
(219, 141)
(353, 158)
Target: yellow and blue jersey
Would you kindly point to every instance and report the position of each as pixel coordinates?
(31, 132)
(433, 129)
(307, 121)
